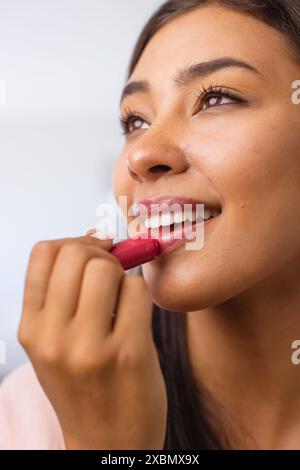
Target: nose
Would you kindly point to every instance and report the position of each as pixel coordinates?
(150, 161)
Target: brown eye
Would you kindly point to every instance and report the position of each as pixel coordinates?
(128, 122)
(139, 123)
(213, 97)
(213, 101)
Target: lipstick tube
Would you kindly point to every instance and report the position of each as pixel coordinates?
(134, 252)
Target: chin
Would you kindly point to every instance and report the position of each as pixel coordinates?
(183, 304)
(184, 289)
(181, 297)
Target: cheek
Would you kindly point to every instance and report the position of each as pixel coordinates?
(253, 162)
(257, 173)
(260, 181)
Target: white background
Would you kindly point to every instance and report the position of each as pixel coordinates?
(64, 63)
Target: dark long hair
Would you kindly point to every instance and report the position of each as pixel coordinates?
(189, 423)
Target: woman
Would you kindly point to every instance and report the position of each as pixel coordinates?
(210, 366)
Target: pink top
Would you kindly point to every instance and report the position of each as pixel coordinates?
(27, 418)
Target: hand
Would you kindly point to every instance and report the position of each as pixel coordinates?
(102, 375)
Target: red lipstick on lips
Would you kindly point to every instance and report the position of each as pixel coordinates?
(133, 252)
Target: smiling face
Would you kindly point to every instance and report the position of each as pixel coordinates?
(229, 135)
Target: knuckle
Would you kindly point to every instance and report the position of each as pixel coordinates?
(129, 358)
(81, 365)
(41, 247)
(73, 249)
(83, 362)
(49, 353)
(49, 356)
(24, 336)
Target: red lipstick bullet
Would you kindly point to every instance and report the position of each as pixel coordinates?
(133, 252)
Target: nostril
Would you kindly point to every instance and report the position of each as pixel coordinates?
(159, 168)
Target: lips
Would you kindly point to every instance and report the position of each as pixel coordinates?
(170, 218)
(167, 211)
(165, 204)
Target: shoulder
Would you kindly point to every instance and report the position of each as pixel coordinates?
(27, 418)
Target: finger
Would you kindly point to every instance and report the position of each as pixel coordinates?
(94, 240)
(134, 310)
(88, 239)
(40, 264)
(66, 278)
(98, 297)
(41, 261)
(100, 234)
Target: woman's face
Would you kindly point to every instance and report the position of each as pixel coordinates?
(240, 153)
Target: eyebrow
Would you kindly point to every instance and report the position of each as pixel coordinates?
(189, 73)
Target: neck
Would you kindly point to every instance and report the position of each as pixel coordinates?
(241, 352)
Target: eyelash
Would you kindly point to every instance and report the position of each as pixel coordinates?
(205, 94)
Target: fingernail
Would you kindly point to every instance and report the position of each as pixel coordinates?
(90, 231)
(101, 235)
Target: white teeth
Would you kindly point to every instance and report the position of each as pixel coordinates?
(135, 209)
(154, 221)
(207, 214)
(147, 223)
(178, 218)
(166, 219)
(191, 216)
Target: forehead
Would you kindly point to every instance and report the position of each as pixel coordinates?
(207, 33)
